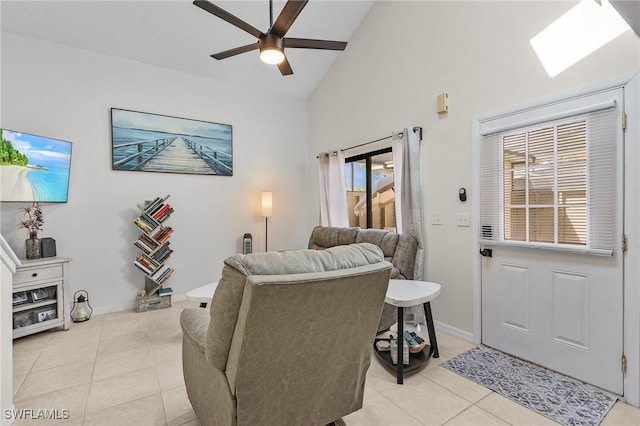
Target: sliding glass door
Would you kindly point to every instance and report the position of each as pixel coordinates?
(370, 190)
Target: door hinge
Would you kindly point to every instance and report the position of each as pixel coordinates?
(624, 243)
(623, 364)
(624, 120)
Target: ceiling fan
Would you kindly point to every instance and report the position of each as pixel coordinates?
(272, 43)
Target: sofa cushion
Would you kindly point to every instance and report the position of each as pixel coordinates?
(306, 261)
(227, 299)
(387, 241)
(325, 237)
(399, 249)
(404, 258)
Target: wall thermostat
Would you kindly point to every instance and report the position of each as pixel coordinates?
(462, 193)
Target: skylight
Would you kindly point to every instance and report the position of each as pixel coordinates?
(575, 35)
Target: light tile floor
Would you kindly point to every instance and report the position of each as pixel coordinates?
(125, 369)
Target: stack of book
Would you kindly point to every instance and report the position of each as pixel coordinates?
(161, 274)
(161, 233)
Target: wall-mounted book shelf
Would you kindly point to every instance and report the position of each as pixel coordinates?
(154, 248)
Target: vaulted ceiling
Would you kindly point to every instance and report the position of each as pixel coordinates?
(176, 34)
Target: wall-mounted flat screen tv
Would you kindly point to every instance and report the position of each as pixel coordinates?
(33, 168)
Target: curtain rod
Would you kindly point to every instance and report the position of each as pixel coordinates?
(415, 129)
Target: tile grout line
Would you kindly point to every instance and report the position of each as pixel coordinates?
(93, 372)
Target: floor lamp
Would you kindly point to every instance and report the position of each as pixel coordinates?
(267, 206)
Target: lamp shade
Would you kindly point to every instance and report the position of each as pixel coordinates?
(267, 203)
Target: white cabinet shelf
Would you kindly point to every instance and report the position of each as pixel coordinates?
(40, 296)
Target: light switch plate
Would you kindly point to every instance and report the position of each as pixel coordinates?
(464, 219)
(436, 218)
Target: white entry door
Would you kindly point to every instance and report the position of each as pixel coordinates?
(552, 216)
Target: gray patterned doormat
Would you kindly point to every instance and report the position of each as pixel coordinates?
(560, 398)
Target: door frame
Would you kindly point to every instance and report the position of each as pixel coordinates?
(631, 216)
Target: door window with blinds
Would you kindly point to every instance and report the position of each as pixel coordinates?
(548, 176)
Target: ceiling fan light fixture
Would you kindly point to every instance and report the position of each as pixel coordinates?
(272, 43)
(271, 49)
(271, 55)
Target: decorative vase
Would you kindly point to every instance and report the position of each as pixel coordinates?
(32, 246)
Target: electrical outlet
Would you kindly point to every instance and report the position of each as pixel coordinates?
(463, 219)
(436, 218)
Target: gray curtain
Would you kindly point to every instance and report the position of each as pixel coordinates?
(408, 189)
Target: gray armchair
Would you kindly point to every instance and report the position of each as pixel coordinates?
(287, 340)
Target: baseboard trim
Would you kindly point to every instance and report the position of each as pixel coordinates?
(455, 332)
(114, 308)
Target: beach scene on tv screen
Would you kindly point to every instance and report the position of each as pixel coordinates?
(33, 168)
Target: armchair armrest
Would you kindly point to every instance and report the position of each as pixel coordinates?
(195, 322)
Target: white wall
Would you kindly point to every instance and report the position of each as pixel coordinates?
(403, 55)
(67, 94)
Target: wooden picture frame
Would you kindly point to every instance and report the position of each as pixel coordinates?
(148, 142)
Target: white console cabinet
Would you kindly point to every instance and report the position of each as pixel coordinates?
(41, 297)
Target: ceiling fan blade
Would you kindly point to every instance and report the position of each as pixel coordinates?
(287, 16)
(223, 14)
(307, 43)
(284, 67)
(235, 51)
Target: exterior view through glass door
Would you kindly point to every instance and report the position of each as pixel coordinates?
(370, 190)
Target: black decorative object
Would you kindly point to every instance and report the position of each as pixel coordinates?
(48, 247)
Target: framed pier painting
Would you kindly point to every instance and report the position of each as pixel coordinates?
(147, 142)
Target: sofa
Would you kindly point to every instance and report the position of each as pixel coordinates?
(398, 249)
(282, 343)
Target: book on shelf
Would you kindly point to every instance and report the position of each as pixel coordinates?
(155, 209)
(161, 274)
(145, 249)
(160, 248)
(149, 220)
(165, 215)
(148, 203)
(142, 268)
(162, 234)
(148, 263)
(146, 223)
(166, 274)
(146, 244)
(165, 291)
(144, 226)
(162, 255)
(148, 240)
(161, 212)
(150, 206)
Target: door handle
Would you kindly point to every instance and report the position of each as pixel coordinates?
(486, 252)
